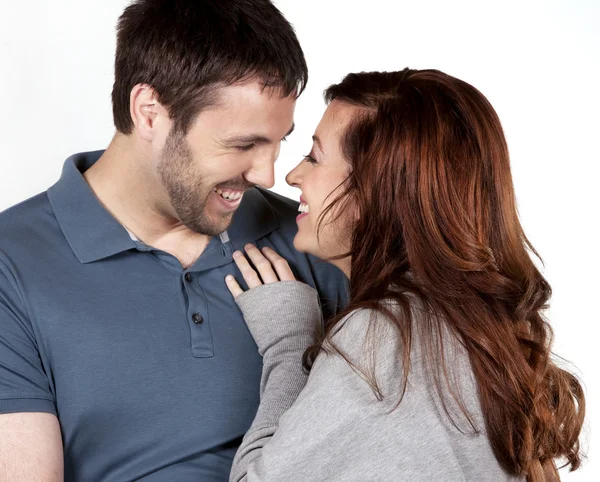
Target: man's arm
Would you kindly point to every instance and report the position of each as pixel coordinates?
(30, 438)
(30, 448)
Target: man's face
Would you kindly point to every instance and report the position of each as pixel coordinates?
(230, 148)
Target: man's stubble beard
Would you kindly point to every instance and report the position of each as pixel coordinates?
(185, 187)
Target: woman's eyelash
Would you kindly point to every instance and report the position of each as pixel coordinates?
(310, 159)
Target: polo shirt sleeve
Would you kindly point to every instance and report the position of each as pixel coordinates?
(24, 385)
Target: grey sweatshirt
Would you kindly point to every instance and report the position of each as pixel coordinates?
(330, 426)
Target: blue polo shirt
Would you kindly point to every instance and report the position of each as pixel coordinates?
(149, 367)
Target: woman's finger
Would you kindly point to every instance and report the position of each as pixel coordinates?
(282, 268)
(233, 286)
(250, 276)
(262, 264)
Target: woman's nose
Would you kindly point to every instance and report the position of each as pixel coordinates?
(294, 177)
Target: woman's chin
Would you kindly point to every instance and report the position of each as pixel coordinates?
(300, 244)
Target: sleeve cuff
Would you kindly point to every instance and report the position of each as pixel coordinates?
(16, 405)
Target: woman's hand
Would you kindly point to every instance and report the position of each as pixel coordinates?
(271, 268)
(279, 311)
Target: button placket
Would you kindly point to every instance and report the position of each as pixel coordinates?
(197, 312)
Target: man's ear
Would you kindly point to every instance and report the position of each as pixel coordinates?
(147, 113)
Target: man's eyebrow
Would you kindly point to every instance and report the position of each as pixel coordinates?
(253, 138)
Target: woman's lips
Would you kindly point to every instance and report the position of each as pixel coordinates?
(303, 208)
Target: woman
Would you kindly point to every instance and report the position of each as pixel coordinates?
(440, 367)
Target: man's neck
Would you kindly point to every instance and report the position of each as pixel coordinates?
(121, 180)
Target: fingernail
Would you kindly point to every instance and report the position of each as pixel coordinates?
(228, 278)
(236, 254)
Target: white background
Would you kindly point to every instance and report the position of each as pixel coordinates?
(537, 62)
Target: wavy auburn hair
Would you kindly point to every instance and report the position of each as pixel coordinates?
(437, 219)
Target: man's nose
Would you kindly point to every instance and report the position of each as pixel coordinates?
(262, 173)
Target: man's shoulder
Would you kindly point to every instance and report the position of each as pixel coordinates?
(23, 220)
(25, 212)
(284, 207)
(285, 211)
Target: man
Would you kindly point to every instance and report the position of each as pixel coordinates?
(122, 354)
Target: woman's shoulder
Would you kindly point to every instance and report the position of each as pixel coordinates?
(362, 327)
(370, 344)
(375, 342)
(384, 328)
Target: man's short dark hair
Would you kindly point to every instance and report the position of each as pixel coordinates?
(185, 49)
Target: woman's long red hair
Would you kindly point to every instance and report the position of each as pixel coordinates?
(437, 218)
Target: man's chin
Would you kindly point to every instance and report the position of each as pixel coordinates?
(211, 228)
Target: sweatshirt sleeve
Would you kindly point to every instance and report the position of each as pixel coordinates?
(321, 433)
(283, 318)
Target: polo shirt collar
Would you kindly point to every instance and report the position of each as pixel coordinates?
(254, 219)
(94, 234)
(91, 231)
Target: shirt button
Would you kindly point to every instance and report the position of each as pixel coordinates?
(189, 277)
(197, 318)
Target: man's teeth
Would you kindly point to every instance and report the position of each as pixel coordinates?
(303, 208)
(229, 195)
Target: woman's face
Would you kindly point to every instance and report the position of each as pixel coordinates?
(319, 177)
